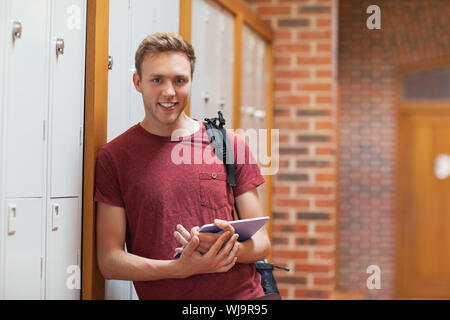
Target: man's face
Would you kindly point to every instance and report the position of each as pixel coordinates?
(165, 84)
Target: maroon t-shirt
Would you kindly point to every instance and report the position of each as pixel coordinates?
(163, 182)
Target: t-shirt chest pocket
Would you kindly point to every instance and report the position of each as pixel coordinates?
(213, 189)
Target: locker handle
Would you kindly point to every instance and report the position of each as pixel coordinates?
(59, 46)
(110, 62)
(55, 216)
(259, 114)
(12, 216)
(221, 103)
(16, 30)
(205, 96)
(248, 110)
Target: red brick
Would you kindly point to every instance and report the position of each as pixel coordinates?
(282, 34)
(323, 22)
(323, 74)
(283, 190)
(283, 86)
(323, 125)
(300, 293)
(322, 281)
(325, 177)
(313, 61)
(323, 255)
(324, 229)
(313, 268)
(323, 99)
(286, 254)
(325, 203)
(271, 10)
(315, 190)
(292, 100)
(314, 87)
(316, 35)
(282, 61)
(301, 228)
(323, 47)
(292, 124)
(292, 74)
(324, 151)
(296, 203)
(293, 48)
(325, 242)
(283, 138)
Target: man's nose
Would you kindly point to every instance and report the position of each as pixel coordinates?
(169, 90)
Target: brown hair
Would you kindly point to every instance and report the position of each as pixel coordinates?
(163, 42)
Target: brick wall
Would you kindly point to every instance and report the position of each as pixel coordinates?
(411, 31)
(304, 191)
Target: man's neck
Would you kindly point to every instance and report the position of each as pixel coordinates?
(184, 126)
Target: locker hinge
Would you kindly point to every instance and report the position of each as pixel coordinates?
(78, 257)
(81, 136)
(43, 130)
(42, 266)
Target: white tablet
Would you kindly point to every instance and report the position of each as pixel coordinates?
(245, 228)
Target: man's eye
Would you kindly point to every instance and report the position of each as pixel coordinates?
(156, 80)
(180, 80)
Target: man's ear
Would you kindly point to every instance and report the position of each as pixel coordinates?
(137, 82)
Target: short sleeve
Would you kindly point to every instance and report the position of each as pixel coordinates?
(247, 173)
(107, 187)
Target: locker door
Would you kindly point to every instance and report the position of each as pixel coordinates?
(212, 58)
(225, 65)
(246, 69)
(120, 87)
(149, 17)
(66, 97)
(200, 92)
(2, 48)
(26, 97)
(120, 76)
(63, 272)
(23, 267)
(248, 103)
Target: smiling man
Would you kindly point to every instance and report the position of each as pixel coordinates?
(152, 205)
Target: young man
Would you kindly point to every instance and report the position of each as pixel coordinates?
(150, 202)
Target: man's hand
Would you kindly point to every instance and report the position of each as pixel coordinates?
(220, 257)
(207, 239)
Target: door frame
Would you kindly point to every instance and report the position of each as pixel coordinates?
(405, 108)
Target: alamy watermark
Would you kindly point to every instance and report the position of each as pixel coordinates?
(73, 282)
(262, 143)
(374, 281)
(374, 21)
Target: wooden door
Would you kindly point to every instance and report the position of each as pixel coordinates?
(423, 257)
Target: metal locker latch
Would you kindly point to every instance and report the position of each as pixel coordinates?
(16, 30)
(259, 114)
(59, 46)
(248, 110)
(110, 62)
(221, 103)
(55, 216)
(12, 220)
(205, 96)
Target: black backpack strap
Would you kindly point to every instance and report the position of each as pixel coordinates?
(222, 148)
(221, 145)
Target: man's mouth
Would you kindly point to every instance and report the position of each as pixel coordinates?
(168, 105)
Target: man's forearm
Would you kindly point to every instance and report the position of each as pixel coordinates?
(254, 249)
(122, 265)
